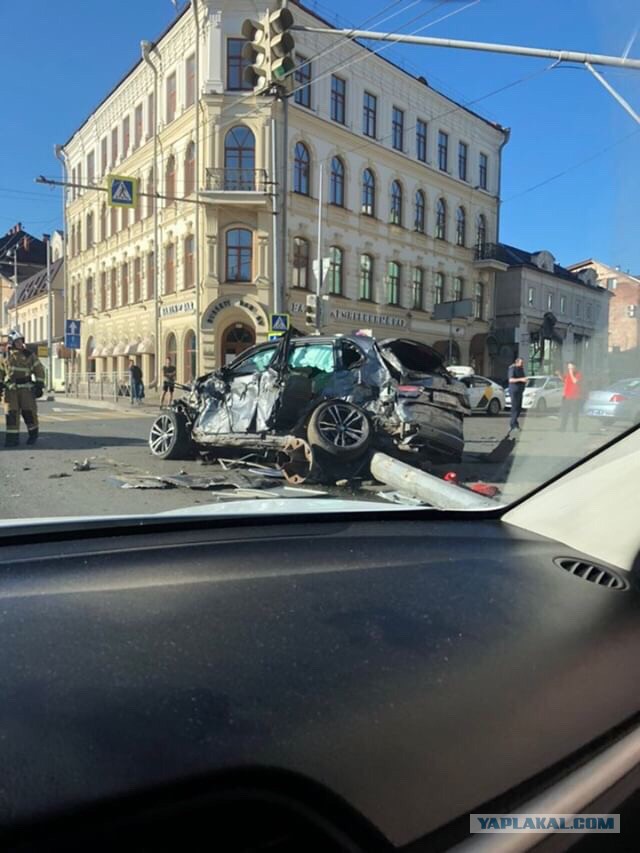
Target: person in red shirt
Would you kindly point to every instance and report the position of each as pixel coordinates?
(571, 396)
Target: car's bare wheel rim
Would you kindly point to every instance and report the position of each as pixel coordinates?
(162, 435)
(342, 425)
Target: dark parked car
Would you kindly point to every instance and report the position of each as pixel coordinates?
(309, 400)
(619, 402)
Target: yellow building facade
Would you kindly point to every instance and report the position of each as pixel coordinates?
(410, 184)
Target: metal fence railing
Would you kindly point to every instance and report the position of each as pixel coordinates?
(114, 387)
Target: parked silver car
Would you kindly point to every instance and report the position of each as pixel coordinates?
(619, 402)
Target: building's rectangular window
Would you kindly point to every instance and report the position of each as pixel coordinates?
(531, 296)
(417, 288)
(236, 65)
(397, 129)
(463, 154)
(74, 194)
(369, 115)
(151, 274)
(151, 116)
(443, 151)
(124, 284)
(301, 263)
(338, 99)
(89, 295)
(393, 283)
(483, 171)
(190, 81)
(103, 290)
(137, 279)
(563, 304)
(114, 146)
(336, 270)
(579, 308)
(589, 311)
(612, 283)
(438, 289)
(302, 79)
(366, 277)
(421, 140)
(104, 158)
(170, 111)
(479, 301)
(170, 268)
(189, 268)
(113, 288)
(549, 301)
(458, 288)
(137, 127)
(91, 167)
(126, 136)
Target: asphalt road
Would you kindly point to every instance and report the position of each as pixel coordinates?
(40, 481)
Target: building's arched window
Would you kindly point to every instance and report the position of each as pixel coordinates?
(441, 219)
(419, 221)
(170, 181)
(368, 193)
(395, 213)
(170, 268)
(481, 233)
(461, 227)
(171, 348)
(393, 283)
(190, 169)
(336, 269)
(239, 255)
(336, 193)
(301, 169)
(189, 357)
(239, 159)
(301, 263)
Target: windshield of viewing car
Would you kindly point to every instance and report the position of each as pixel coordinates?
(421, 290)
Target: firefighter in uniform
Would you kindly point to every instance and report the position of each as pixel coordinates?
(22, 381)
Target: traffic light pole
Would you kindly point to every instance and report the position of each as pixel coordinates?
(284, 204)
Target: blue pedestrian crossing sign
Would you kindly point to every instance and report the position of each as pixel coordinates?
(279, 322)
(72, 334)
(122, 190)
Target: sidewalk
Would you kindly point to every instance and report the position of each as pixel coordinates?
(150, 403)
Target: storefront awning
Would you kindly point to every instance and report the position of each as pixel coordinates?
(146, 347)
(96, 352)
(121, 348)
(132, 348)
(107, 351)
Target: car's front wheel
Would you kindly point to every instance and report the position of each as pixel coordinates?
(169, 436)
(339, 429)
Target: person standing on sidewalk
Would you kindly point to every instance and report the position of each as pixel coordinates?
(517, 383)
(135, 380)
(571, 396)
(169, 384)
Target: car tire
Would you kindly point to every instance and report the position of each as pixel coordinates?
(169, 436)
(339, 429)
(541, 407)
(494, 408)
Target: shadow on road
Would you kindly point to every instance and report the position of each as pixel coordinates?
(71, 441)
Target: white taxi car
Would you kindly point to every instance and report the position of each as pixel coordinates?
(483, 394)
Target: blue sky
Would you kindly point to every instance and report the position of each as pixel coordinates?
(59, 60)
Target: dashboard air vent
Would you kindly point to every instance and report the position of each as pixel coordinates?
(591, 573)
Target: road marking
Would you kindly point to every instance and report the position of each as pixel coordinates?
(67, 416)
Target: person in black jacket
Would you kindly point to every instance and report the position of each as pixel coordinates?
(517, 384)
(135, 381)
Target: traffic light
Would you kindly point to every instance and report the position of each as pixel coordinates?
(311, 313)
(269, 50)
(257, 53)
(282, 45)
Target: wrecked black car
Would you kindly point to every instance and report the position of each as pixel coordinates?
(316, 403)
